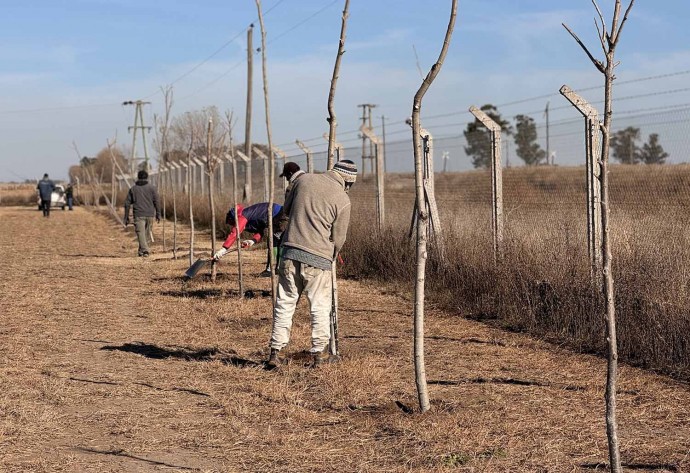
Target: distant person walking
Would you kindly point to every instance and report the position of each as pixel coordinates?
(143, 198)
(69, 195)
(318, 208)
(45, 191)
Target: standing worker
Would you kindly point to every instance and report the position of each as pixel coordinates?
(319, 211)
(254, 219)
(291, 172)
(45, 191)
(143, 198)
(69, 195)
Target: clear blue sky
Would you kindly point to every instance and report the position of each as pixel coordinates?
(56, 54)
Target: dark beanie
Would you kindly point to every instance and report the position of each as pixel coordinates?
(142, 175)
(347, 170)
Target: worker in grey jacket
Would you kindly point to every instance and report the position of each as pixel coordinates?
(143, 198)
(319, 211)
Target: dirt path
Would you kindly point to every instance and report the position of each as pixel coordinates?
(109, 363)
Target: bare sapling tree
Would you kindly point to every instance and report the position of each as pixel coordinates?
(162, 188)
(609, 42)
(233, 161)
(162, 130)
(211, 165)
(332, 122)
(96, 184)
(190, 199)
(271, 154)
(165, 145)
(423, 217)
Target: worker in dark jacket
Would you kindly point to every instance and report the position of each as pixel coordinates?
(254, 219)
(45, 191)
(143, 198)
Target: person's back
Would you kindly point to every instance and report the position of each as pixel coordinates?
(319, 211)
(45, 188)
(143, 197)
(45, 191)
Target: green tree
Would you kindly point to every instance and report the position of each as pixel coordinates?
(526, 141)
(479, 138)
(652, 152)
(624, 145)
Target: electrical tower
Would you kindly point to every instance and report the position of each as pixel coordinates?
(367, 154)
(138, 125)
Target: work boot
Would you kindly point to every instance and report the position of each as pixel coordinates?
(318, 359)
(274, 360)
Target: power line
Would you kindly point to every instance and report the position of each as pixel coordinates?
(239, 63)
(216, 52)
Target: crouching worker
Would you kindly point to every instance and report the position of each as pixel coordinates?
(319, 210)
(254, 219)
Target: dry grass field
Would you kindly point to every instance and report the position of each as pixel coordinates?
(111, 363)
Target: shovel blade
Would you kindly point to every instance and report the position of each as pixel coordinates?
(195, 268)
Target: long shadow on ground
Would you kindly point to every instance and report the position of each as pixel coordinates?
(122, 453)
(183, 353)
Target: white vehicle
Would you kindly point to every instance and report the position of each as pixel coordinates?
(57, 199)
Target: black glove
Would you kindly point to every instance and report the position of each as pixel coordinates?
(158, 220)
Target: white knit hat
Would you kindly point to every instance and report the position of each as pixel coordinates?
(347, 170)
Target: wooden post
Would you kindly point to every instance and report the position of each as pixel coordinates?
(422, 208)
(496, 180)
(248, 118)
(190, 201)
(309, 155)
(210, 171)
(266, 163)
(368, 133)
(592, 176)
(271, 161)
(331, 95)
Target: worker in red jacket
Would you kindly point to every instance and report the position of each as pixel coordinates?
(254, 219)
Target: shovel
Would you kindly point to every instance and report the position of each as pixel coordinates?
(196, 267)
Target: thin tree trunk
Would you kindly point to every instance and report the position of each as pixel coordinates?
(423, 217)
(608, 41)
(334, 82)
(210, 167)
(191, 207)
(271, 156)
(608, 287)
(240, 278)
(174, 202)
(248, 117)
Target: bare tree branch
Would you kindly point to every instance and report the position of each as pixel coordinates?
(601, 32)
(625, 18)
(597, 63)
(416, 57)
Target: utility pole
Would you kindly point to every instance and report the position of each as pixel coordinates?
(366, 117)
(248, 119)
(138, 125)
(383, 132)
(548, 136)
